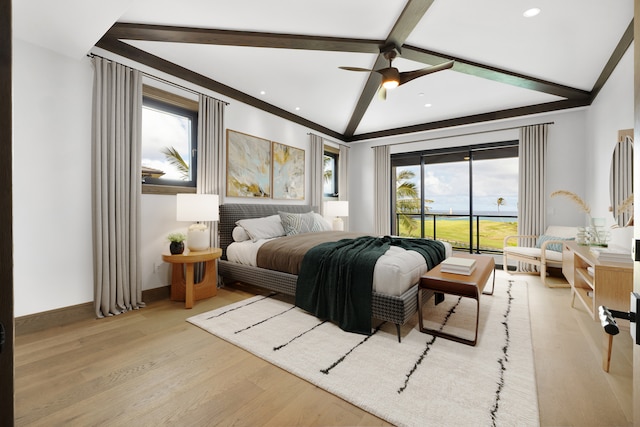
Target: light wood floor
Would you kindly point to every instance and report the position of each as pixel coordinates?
(150, 367)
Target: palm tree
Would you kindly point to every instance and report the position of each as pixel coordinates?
(328, 173)
(408, 200)
(172, 155)
(501, 202)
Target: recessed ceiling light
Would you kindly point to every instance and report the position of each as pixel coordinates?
(297, 108)
(427, 105)
(530, 13)
(262, 92)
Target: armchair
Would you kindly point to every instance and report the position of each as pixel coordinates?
(547, 251)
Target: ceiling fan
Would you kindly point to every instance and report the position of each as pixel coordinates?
(392, 78)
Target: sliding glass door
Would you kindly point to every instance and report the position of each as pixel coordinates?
(466, 195)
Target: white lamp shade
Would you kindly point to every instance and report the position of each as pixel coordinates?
(197, 207)
(336, 208)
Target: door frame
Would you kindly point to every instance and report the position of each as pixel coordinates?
(6, 222)
(636, 182)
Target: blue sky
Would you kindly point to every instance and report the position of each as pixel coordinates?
(447, 184)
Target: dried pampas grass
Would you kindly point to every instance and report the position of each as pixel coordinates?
(574, 198)
(626, 205)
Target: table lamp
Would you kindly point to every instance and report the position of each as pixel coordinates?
(336, 209)
(197, 207)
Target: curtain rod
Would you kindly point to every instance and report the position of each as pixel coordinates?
(462, 134)
(160, 79)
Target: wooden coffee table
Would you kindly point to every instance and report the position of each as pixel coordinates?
(468, 286)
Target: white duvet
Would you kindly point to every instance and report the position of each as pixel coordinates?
(395, 271)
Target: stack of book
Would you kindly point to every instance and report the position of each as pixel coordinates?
(458, 265)
(610, 255)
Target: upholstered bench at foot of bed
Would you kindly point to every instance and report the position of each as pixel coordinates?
(395, 309)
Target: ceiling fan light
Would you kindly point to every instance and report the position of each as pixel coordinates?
(390, 84)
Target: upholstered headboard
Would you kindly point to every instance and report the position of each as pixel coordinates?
(232, 212)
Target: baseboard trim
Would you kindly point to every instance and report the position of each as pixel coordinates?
(66, 315)
(53, 318)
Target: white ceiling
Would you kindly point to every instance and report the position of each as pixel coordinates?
(567, 44)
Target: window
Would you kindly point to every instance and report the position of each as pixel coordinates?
(330, 173)
(465, 195)
(169, 140)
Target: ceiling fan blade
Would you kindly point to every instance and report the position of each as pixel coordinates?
(407, 76)
(356, 69)
(382, 93)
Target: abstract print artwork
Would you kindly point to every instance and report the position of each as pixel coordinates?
(248, 166)
(288, 172)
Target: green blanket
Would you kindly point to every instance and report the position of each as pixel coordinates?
(336, 278)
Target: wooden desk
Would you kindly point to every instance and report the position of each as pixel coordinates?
(182, 286)
(597, 283)
(468, 286)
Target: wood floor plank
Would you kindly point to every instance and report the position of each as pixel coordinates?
(151, 366)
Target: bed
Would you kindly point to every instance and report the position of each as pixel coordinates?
(397, 309)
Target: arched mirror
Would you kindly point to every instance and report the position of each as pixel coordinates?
(621, 178)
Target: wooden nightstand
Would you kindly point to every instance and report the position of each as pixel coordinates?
(182, 286)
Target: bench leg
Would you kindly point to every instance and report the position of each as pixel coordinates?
(446, 335)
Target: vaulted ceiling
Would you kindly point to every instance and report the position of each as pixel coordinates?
(282, 56)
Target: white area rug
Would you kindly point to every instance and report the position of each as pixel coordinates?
(423, 380)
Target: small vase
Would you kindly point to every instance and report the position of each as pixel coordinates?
(176, 248)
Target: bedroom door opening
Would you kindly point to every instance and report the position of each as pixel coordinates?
(467, 196)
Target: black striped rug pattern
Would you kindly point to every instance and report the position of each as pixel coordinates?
(271, 328)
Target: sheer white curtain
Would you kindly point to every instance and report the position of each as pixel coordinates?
(117, 180)
(531, 189)
(381, 197)
(210, 179)
(316, 170)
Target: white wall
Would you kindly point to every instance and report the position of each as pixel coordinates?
(610, 112)
(53, 265)
(52, 171)
(51, 179)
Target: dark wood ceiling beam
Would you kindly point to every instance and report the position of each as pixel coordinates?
(408, 20)
(366, 96)
(405, 24)
(125, 50)
(163, 33)
(476, 118)
(612, 63)
(492, 73)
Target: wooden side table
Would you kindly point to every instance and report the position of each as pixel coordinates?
(182, 286)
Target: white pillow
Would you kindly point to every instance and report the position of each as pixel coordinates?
(239, 234)
(262, 228)
(322, 224)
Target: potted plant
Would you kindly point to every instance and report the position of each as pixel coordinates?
(177, 243)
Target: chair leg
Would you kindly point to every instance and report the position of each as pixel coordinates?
(543, 274)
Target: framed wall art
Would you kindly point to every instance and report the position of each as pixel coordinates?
(288, 172)
(248, 165)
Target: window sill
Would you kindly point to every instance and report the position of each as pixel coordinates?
(166, 189)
